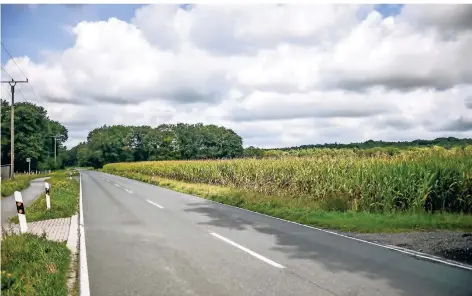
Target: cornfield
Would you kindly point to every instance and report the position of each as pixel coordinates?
(422, 179)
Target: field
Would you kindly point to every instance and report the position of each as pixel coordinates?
(412, 182)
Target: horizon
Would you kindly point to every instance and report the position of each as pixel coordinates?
(327, 74)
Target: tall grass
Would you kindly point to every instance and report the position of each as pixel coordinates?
(413, 180)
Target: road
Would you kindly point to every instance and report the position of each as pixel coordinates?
(146, 240)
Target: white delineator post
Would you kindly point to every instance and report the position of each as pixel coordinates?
(48, 198)
(21, 212)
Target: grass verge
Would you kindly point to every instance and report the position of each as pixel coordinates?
(303, 212)
(33, 265)
(64, 200)
(20, 182)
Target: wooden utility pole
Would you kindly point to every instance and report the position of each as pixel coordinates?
(55, 138)
(12, 124)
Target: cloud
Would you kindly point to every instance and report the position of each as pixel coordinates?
(450, 19)
(280, 75)
(468, 102)
(395, 122)
(461, 124)
(274, 106)
(392, 53)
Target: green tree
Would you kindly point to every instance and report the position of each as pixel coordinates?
(33, 129)
(167, 141)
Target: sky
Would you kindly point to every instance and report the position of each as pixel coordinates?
(278, 75)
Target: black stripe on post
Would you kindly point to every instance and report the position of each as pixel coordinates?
(47, 190)
(20, 208)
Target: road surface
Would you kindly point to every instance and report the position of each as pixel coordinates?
(146, 240)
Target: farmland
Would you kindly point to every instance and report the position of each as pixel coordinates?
(329, 181)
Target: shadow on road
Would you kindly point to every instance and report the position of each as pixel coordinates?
(406, 275)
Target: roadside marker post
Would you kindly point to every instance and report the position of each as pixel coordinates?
(48, 198)
(20, 208)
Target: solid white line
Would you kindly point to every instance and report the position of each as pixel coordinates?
(429, 257)
(418, 254)
(83, 273)
(421, 255)
(153, 203)
(129, 191)
(260, 257)
(117, 185)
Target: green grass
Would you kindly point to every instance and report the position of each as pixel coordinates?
(20, 182)
(33, 265)
(306, 213)
(64, 200)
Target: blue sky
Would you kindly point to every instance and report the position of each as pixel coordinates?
(30, 30)
(33, 29)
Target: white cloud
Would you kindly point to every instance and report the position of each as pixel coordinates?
(278, 75)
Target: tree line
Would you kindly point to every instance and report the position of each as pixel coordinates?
(34, 133)
(369, 147)
(445, 142)
(120, 143)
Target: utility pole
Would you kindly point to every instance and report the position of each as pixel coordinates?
(55, 138)
(12, 124)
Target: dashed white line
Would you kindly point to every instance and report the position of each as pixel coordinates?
(129, 191)
(155, 204)
(117, 185)
(260, 257)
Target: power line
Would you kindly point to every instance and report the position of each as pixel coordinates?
(22, 93)
(6, 92)
(24, 97)
(32, 89)
(6, 72)
(13, 60)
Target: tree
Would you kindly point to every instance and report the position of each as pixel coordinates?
(252, 151)
(33, 129)
(167, 141)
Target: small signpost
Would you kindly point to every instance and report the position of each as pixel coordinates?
(28, 160)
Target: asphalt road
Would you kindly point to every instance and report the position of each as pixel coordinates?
(146, 240)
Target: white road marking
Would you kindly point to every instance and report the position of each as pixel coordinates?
(83, 272)
(260, 257)
(155, 204)
(397, 249)
(117, 185)
(129, 191)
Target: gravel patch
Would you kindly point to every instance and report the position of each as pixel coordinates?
(450, 245)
